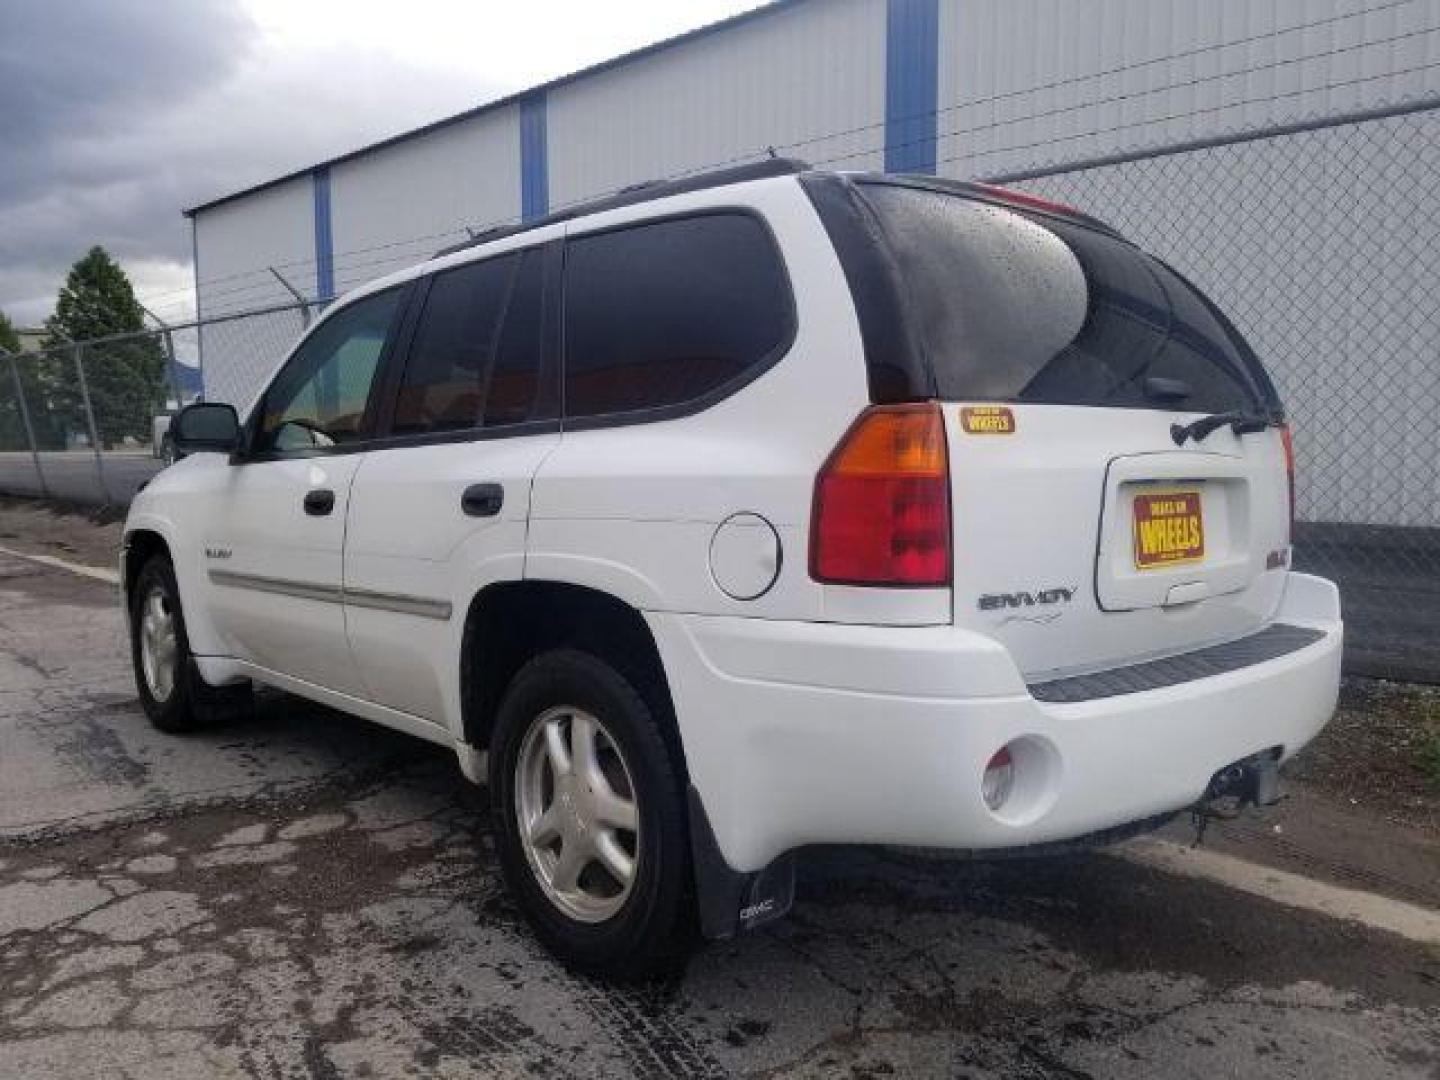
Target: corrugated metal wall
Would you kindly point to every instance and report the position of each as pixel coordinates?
(398, 205)
(1032, 82)
(793, 78)
(275, 227)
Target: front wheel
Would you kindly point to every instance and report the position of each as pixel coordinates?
(591, 819)
(172, 693)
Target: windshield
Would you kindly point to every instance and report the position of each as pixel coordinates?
(1009, 305)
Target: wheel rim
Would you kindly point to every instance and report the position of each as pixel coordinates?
(577, 815)
(159, 645)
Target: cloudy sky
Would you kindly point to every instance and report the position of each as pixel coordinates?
(116, 114)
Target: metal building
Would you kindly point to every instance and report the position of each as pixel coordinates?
(1279, 152)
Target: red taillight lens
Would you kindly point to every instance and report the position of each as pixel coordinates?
(1289, 443)
(882, 502)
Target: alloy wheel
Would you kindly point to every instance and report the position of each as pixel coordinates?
(576, 810)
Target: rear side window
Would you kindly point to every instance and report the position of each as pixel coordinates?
(671, 312)
(475, 358)
(1013, 306)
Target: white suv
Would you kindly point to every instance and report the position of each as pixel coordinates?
(764, 509)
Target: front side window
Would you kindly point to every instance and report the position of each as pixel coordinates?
(667, 312)
(319, 398)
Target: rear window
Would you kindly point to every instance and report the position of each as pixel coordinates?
(1012, 306)
(670, 313)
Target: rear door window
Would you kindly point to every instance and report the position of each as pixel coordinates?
(454, 347)
(1014, 306)
(670, 313)
(475, 359)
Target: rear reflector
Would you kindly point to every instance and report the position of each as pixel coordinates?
(882, 502)
(999, 779)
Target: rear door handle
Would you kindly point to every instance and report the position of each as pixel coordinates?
(482, 500)
(319, 502)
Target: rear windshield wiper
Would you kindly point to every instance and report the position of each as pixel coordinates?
(1238, 421)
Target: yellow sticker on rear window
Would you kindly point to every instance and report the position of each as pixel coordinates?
(987, 420)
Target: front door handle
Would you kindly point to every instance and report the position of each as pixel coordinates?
(482, 500)
(319, 502)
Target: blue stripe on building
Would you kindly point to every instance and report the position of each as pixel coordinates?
(324, 238)
(912, 84)
(534, 158)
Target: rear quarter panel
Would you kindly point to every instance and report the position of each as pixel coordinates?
(632, 509)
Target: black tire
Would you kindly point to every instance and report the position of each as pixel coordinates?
(191, 703)
(654, 930)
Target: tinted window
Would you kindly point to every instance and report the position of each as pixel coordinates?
(666, 312)
(475, 357)
(318, 400)
(454, 348)
(1009, 305)
(513, 394)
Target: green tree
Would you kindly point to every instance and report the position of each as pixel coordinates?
(32, 371)
(12, 434)
(126, 379)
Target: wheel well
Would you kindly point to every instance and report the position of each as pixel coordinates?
(512, 622)
(140, 546)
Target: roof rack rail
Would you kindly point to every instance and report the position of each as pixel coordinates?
(641, 193)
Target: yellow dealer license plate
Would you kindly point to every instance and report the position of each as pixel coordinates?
(1169, 529)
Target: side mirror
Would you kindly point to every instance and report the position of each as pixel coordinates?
(206, 427)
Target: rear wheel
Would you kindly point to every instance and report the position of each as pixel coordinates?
(591, 820)
(172, 693)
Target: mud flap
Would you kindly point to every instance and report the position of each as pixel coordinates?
(729, 900)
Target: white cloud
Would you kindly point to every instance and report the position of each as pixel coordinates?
(267, 86)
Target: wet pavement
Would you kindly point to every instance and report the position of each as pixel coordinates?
(306, 895)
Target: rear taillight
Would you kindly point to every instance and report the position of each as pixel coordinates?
(1288, 442)
(882, 502)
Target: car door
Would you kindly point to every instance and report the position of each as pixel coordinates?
(273, 546)
(439, 508)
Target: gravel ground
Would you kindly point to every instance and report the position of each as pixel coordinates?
(1373, 753)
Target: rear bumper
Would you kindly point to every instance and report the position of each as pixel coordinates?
(806, 733)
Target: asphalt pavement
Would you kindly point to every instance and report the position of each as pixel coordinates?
(304, 894)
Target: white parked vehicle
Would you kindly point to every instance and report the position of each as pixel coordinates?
(162, 446)
(758, 510)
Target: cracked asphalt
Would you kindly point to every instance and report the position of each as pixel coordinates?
(305, 895)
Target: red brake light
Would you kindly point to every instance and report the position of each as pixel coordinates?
(1289, 443)
(882, 502)
(1021, 198)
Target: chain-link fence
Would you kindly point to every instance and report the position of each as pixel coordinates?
(86, 422)
(1321, 240)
